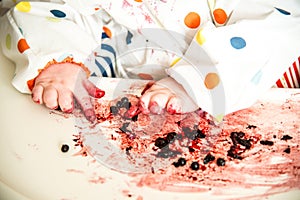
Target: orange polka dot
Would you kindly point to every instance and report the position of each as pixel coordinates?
(211, 80)
(22, 45)
(192, 20)
(138, 0)
(220, 16)
(107, 31)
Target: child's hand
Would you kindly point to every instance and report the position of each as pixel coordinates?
(59, 84)
(168, 95)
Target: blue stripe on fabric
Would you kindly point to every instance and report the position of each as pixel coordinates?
(101, 68)
(108, 48)
(108, 61)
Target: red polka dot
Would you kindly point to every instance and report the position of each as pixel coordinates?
(22, 45)
(220, 16)
(192, 20)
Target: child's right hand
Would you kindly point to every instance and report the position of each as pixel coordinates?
(59, 84)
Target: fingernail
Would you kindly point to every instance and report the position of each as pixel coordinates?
(99, 93)
(90, 115)
(155, 108)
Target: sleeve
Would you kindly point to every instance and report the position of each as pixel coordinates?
(36, 33)
(226, 68)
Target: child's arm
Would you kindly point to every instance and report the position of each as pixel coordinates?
(227, 68)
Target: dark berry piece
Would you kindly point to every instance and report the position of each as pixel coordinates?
(167, 153)
(124, 100)
(208, 158)
(124, 127)
(266, 142)
(200, 134)
(160, 142)
(65, 148)
(191, 149)
(126, 105)
(119, 104)
(128, 148)
(134, 118)
(251, 126)
(221, 162)
(181, 161)
(170, 137)
(114, 110)
(195, 165)
(287, 150)
(245, 143)
(176, 164)
(286, 137)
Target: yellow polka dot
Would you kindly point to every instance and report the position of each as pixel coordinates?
(53, 19)
(200, 38)
(23, 6)
(8, 41)
(138, 0)
(175, 61)
(211, 80)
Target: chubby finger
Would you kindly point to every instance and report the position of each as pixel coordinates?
(65, 100)
(84, 101)
(92, 89)
(174, 105)
(158, 102)
(50, 97)
(144, 102)
(37, 94)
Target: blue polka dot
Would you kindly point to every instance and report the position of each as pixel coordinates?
(237, 42)
(283, 11)
(58, 13)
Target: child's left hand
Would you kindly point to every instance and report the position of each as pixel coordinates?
(168, 95)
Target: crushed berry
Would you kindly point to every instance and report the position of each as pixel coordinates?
(251, 126)
(167, 153)
(287, 150)
(189, 133)
(195, 165)
(128, 148)
(200, 134)
(124, 100)
(244, 142)
(221, 162)
(267, 142)
(176, 164)
(161, 142)
(232, 153)
(65, 148)
(208, 158)
(134, 118)
(181, 161)
(170, 137)
(124, 127)
(286, 137)
(119, 104)
(114, 110)
(191, 149)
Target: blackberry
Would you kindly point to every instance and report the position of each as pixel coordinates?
(195, 165)
(170, 137)
(160, 142)
(65, 148)
(221, 162)
(114, 110)
(208, 158)
(181, 161)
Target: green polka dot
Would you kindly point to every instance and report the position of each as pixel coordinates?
(53, 19)
(8, 41)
